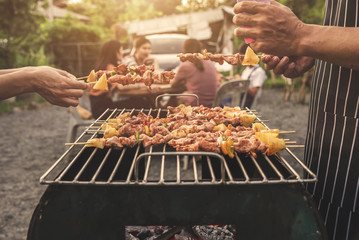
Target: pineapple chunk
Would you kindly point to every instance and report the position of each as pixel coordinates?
(250, 58)
(96, 142)
(102, 83)
(247, 120)
(92, 77)
(110, 132)
(257, 127)
(272, 141)
(275, 146)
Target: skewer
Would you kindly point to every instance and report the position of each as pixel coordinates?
(242, 55)
(287, 132)
(292, 142)
(295, 146)
(77, 143)
(80, 78)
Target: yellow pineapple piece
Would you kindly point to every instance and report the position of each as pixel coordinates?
(250, 58)
(275, 145)
(247, 120)
(272, 141)
(257, 127)
(110, 132)
(96, 142)
(92, 77)
(102, 83)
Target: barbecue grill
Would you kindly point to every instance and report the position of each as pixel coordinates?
(100, 191)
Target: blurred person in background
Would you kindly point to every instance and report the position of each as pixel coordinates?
(256, 76)
(199, 77)
(110, 56)
(141, 54)
(57, 86)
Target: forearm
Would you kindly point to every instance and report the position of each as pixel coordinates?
(337, 45)
(16, 82)
(252, 91)
(11, 70)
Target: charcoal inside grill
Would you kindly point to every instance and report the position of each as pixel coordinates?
(197, 232)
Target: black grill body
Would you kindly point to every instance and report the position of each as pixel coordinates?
(283, 211)
(99, 192)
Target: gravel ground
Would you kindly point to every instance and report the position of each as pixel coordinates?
(32, 140)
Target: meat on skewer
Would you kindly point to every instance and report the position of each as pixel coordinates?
(122, 74)
(250, 58)
(201, 129)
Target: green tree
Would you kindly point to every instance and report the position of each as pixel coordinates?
(106, 14)
(68, 41)
(308, 11)
(20, 33)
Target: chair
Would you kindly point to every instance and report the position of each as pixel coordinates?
(232, 90)
(76, 120)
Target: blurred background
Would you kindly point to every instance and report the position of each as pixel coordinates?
(68, 34)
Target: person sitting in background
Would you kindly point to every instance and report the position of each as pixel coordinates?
(57, 86)
(141, 55)
(110, 56)
(256, 76)
(199, 77)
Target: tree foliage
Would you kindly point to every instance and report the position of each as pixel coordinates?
(107, 13)
(197, 5)
(19, 33)
(68, 40)
(70, 30)
(308, 11)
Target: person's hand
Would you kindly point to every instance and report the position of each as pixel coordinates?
(290, 67)
(57, 86)
(275, 28)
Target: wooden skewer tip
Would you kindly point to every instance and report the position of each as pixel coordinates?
(77, 143)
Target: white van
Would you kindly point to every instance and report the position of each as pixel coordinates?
(165, 48)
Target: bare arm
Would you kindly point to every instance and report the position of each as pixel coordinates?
(277, 31)
(56, 86)
(5, 71)
(338, 45)
(252, 91)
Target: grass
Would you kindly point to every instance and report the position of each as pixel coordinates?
(279, 84)
(7, 106)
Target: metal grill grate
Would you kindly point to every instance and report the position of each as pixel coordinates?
(162, 164)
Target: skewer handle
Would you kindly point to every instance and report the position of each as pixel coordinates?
(295, 146)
